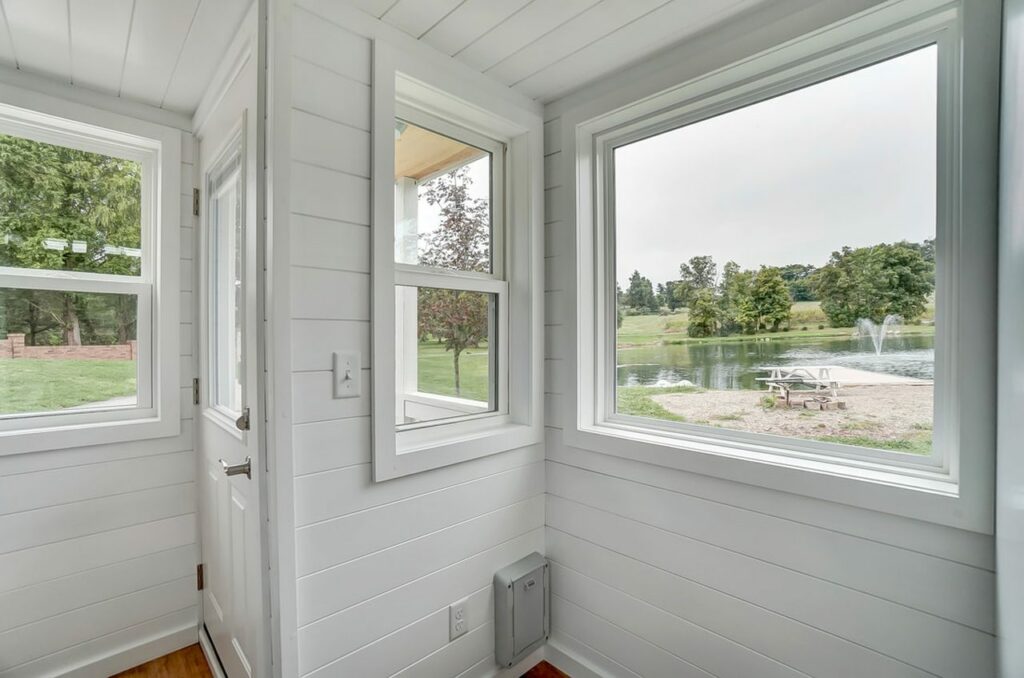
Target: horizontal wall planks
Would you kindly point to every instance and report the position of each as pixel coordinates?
(68, 521)
(327, 445)
(32, 641)
(631, 651)
(33, 603)
(66, 485)
(716, 654)
(335, 245)
(343, 632)
(324, 592)
(337, 493)
(798, 645)
(889, 572)
(323, 42)
(330, 95)
(897, 631)
(357, 534)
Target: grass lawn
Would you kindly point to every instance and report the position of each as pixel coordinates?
(29, 385)
(437, 371)
(636, 400)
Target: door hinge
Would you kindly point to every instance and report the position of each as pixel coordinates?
(242, 423)
(195, 391)
(195, 202)
(199, 577)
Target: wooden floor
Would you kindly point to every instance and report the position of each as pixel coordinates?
(544, 670)
(188, 662)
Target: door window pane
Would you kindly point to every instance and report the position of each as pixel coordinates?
(68, 210)
(776, 264)
(442, 201)
(226, 292)
(446, 349)
(67, 350)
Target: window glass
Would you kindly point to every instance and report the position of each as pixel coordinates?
(442, 201)
(227, 302)
(445, 361)
(776, 264)
(69, 210)
(62, 350)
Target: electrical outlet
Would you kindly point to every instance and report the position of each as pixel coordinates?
(457, 622)
(347, 374)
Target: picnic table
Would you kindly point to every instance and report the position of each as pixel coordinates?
(786, 378)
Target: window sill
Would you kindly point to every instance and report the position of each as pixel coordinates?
(459, 443)
(932, 496)
(59, 436)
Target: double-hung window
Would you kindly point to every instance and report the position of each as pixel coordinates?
(457, 270)
(88, 264)
(451, 296)
(790, 262)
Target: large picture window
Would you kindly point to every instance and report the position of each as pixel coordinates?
(776, 264)
(79, 271)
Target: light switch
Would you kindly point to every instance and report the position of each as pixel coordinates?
(347, 374)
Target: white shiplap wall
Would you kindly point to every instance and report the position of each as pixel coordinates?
(377, 564)
(99, 545)
(658, 572)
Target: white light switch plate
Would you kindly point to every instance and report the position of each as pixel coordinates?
(347, 374)
(457, 622)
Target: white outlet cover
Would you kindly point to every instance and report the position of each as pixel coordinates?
(347, 373)
(457, 622)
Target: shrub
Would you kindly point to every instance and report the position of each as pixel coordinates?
(768, 402)
(821, 327)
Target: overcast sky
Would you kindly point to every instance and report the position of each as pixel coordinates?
(850, 161)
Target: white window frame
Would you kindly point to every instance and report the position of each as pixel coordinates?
(231, 157)
(406, 89)
(494, 283)
(950, 486)
(158, 150)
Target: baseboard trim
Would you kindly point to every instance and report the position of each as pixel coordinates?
(211, 655)
(135, 655)
(561, 653)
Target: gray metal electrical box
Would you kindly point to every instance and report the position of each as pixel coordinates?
(521, 609)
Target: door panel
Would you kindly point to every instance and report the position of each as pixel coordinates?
(229, 516)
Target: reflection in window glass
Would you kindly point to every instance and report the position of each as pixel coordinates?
(68, 210)
(442, 201)
(445, 353)
(225, 214)
(62, 350)
(775, 265)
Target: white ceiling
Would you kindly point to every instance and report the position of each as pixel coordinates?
(547, 48)
(159, 52)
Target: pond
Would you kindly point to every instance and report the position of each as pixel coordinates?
(733, 365)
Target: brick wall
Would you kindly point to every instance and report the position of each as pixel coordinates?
(14, 347)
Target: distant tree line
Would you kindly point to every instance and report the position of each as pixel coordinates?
(866, 282)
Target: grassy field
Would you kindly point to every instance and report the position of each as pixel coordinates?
(437, 371)
(808, 321)
(29, 385)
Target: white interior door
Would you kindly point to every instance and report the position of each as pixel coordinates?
(229, 418)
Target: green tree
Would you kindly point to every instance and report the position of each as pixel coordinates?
(456, 318)
(798, 279)
(769, 299)
(704, 314)
(66, 209)
(873, 282)
(640, 294)
(734, 300)
(697, 274)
